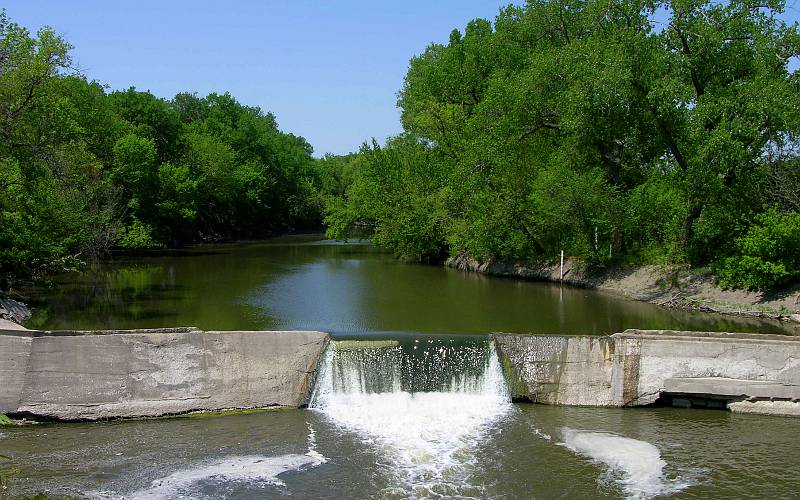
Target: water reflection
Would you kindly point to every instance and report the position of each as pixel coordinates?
(352, 289)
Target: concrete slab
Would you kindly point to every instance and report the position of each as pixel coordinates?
(110, 374)
(733, 388)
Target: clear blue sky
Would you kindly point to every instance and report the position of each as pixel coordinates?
(329, 70)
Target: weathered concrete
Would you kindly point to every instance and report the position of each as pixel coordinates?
(713, 364)
(766, 407)
(555, 369)
(636, 367)
(6, 324)
(94, 375)
(15, 351)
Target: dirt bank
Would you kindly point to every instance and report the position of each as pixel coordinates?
(672, 286)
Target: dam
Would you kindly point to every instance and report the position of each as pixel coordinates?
(343, 373)
(412, 416)
(85, 375)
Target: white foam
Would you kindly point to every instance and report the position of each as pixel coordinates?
(253, 469)
(541, 434)
(427, 439)
(635, 465)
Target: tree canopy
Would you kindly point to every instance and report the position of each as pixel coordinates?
(610, 129)
(614, 130)
(84, 170)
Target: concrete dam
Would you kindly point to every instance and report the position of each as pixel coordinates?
(91, 375)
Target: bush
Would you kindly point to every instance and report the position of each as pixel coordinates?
(768, 253)
(138, 236)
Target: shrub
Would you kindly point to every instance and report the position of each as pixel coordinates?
(138, 236)
(768, 254)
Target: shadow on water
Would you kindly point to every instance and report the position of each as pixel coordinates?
(348, 289)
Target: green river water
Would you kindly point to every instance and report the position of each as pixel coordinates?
(377, 429)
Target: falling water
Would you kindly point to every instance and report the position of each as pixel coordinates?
(424, 405)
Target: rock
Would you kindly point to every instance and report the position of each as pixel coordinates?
(12, 310)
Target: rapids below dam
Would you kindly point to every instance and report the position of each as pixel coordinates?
(409, 399)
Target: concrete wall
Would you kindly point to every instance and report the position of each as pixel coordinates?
(558, 369)
(732, 365)
(753, 373)
(93, 375)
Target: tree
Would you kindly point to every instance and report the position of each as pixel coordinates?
(660, 130)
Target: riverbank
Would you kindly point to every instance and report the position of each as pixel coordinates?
(670, 286)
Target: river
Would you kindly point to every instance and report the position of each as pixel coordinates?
(424, 414)
(303, 283)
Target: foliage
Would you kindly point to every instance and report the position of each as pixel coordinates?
(768, 254)
(138, 235)
(612, 130)
(83, 170)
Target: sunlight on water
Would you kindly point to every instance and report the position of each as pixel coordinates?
(428, 439)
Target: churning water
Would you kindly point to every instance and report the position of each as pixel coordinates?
(635, 465)
(425, 406)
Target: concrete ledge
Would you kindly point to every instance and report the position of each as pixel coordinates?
(637, 367)
(758, 338)
(782, 408)
(78, 375)
(731, 388)
(6, 324)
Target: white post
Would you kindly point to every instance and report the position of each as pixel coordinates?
(562, 266)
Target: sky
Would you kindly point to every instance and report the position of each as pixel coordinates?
(329, 70)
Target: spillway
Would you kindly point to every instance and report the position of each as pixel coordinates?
(425, 406)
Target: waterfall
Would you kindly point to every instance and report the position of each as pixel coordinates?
(425, 405)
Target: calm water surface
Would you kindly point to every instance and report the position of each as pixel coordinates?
(426, 417)
(350, 289)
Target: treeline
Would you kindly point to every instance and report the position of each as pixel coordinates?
(84, 170)
(616, 130)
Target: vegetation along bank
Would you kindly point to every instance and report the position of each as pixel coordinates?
(624, 133)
